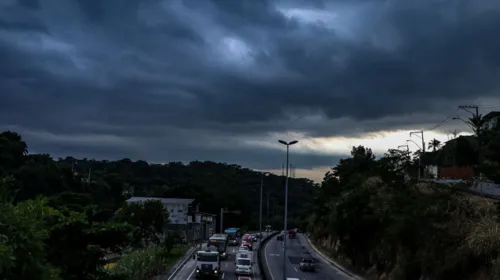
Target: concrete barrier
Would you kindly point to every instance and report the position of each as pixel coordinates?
(260, 256)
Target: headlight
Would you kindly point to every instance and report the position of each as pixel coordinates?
(223, 254)
(197, 271)
(215, 271)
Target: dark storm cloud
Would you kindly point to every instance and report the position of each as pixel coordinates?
(160, 76)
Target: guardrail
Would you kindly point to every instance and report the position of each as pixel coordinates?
(262, 246)
(180, 264)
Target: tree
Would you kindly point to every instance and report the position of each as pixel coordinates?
(148, 219)
(22, 236)
(434, 144)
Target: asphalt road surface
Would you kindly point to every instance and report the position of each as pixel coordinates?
(228, 267)
(297, 249)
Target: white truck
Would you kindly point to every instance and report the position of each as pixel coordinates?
(207, 264)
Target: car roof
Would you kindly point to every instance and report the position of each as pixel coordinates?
(244, 259)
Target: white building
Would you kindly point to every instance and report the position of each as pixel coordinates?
(178, 208)
(184, 217)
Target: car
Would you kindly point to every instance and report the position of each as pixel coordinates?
(254, 238)
(307, 264)
(243, 249)
(244, 278)
(243, 267)
(243, 255)
(259, 235)
(280, 237)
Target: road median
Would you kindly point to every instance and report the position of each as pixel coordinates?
(260, 256)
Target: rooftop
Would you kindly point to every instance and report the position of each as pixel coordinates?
(491, 115)
(138, 199)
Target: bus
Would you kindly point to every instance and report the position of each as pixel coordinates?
(234, 236)
(220, 241)
(247, 241)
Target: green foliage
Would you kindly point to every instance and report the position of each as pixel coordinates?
(148, 220)
(22, 236)
(145, 263)
(367, 213)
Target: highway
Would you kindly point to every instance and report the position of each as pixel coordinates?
(228, 267)
(298, 248)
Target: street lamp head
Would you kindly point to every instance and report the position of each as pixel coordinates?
(293, 142)
(455, 118)
(283, 142)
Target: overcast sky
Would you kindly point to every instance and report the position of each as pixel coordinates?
(223, 80)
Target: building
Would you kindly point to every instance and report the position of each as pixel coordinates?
(491, 119)
(184, 217)
(178, 208)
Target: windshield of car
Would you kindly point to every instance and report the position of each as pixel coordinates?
(243, 248)
(243, 262)
(244, 256)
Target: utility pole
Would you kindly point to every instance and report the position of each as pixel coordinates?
(478, 126)
(267, 208)
(421, 136)
(262, 175)
(467, 107)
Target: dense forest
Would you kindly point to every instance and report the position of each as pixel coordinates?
(371, 218)
(60, 217)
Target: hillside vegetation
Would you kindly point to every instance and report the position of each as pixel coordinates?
(367, 216)
(61, 217)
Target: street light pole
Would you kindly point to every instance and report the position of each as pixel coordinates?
(286, 203)
(260, 215)
(419, 158)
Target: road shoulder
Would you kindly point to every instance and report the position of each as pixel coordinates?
(330, 261)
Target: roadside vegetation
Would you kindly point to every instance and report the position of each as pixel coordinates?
(371, 218)
(62, 217)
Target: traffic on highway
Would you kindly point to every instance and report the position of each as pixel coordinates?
(228, 256)
(302, 261)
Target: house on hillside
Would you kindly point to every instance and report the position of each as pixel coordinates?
(184, 217)
(455, 159)
(491, 119)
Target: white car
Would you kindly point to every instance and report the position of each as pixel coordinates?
(243, 267)
(243, 255)
(243, 249)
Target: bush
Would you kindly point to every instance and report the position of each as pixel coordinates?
(145, 263)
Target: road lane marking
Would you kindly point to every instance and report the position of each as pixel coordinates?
(223, 274)
(267, 263)
(189, 277)
(295, 268)
(226, 264)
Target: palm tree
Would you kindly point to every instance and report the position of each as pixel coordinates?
(434, 144)
(476, 123)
